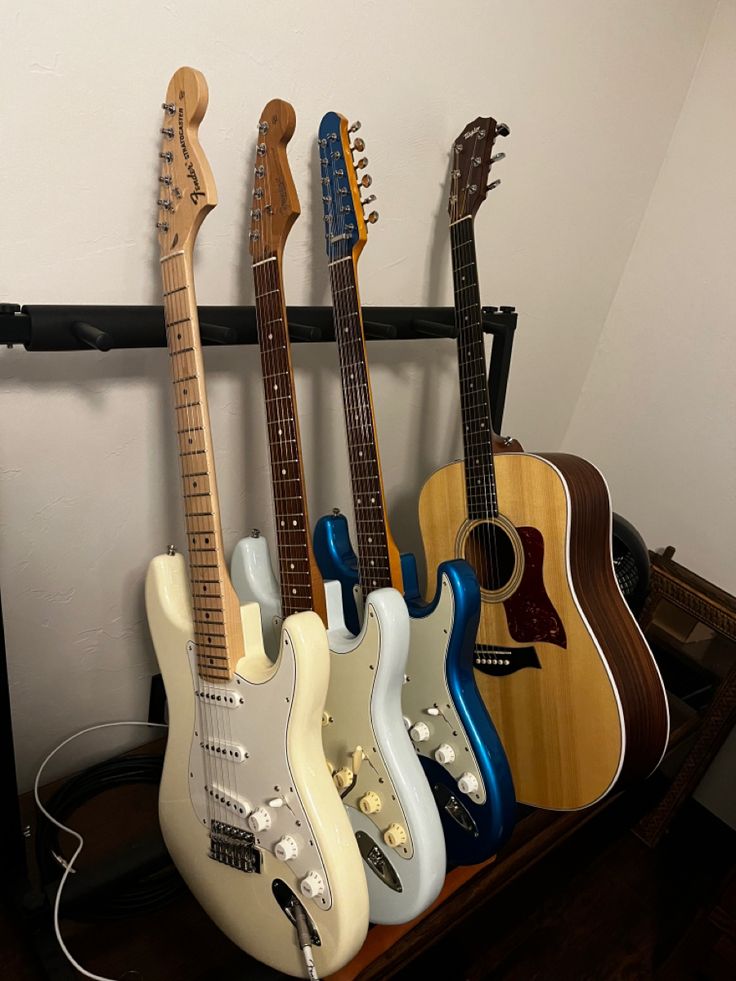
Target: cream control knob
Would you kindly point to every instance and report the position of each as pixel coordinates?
(286, 849)
(395, 835)
(407, 722)
(259, 820)
(419, 732)
(343, 778)
(312, 885)
(445, 754)
(370, 803)
(468, 783)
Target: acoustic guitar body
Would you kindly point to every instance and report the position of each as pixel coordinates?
(560, 662)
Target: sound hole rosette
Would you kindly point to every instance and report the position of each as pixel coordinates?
(477, 536)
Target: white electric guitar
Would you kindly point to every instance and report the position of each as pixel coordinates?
(370, 754)
(247, 807)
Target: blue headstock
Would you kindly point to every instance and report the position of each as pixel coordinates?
(346, 227)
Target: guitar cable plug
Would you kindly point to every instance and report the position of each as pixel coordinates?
(304, 936)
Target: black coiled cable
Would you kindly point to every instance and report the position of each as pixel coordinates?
(147, 889)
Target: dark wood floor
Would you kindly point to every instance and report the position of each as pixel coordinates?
(602, 906)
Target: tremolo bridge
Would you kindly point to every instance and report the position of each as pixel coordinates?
(234, 847)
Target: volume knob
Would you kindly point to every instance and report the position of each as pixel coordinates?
(445, 754)
(312, 885)
(468, 783)
(259, 820)
(343, 778)
(286, 849)
(370, 803)
(395, 835)
(419, 732)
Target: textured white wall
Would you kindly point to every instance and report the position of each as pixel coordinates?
(88, 487)
(658, 406)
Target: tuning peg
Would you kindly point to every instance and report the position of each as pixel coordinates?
(355, 127)
(502, 129)
(363, 162)
(358, 145)
(263, 127)
(366, 180)
(166, 179)
(162, 225)
(498, 156)
(167, 132)
(493, 185)
(164, 203)
(372, 218)
(368, 200)
(167, 155)
(170, 107)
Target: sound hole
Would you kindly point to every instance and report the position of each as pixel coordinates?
(490, 551)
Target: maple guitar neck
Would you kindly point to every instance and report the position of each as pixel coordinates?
(378, 557)
(215, 608)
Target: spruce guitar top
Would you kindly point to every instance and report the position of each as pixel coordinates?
(389, 803)
(560, 662)
(247, 808)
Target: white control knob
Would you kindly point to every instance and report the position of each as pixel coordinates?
(286, 849)
(370, 803)
(312, 885)
(468, 783)
(419, 732)
(445, 754)
(407, 722)
(343, 778)
(395, 835)
(260, 820)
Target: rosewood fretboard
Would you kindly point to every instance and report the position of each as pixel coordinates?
(480, 482)
(373, 544)
(300, 589)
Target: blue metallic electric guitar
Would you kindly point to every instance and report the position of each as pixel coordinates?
(452, 732)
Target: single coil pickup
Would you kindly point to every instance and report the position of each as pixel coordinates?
(222, 697)
(234, 847)
(235, 804)
(228, 752)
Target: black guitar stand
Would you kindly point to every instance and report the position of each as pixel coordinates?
(111, 328)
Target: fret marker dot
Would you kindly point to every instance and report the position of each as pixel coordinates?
(294, 523)
(275, 387)
(291, 565)
(372, 562)
(270, 337)
(294, 592)
(283, 523)
(374, 582)
(283, 471)
(360, 453)
(281, 432)
(373, 500)
(370, 540)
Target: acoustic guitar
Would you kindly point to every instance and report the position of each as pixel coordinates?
(562, 665)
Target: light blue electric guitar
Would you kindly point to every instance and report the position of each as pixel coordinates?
(369, 753)
(453, 735)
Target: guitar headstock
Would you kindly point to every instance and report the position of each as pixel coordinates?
(346, 226)
(186, 185)
(472, 159)
(275, 201)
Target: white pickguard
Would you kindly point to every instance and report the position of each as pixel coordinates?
(253, 772)
(364, 709)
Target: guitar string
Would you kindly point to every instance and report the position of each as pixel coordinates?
(176, 273)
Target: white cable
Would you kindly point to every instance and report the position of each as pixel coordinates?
(69, 866)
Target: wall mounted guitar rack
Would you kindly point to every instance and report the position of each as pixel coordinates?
(109, 328)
